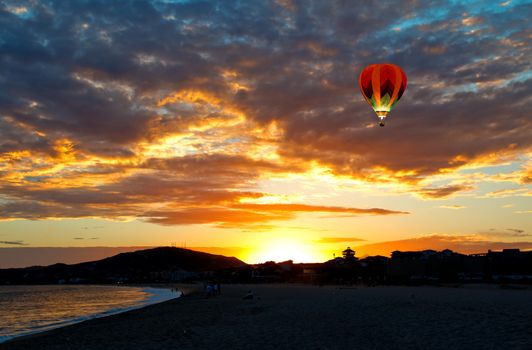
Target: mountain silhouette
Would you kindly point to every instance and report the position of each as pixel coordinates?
(150, 265)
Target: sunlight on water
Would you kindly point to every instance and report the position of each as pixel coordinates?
(29, 309)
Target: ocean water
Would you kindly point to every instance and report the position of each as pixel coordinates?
(31, 309)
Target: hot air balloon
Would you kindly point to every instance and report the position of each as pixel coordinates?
(382, 86)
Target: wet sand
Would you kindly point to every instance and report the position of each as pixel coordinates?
(311, 317)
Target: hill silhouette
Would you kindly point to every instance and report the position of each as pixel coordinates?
(150, 265)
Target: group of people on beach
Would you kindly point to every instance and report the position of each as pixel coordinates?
(212, 289)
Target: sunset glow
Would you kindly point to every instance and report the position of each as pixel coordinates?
(283, 249)
(252, 138)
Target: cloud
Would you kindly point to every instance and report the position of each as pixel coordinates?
(510, 192)
(466, 244)
(526, 176)
(13, 242)
(442, 192)
(507, 233)
(181, 108)
(317, 208)
(250, 214)
(455, 207)
(515, 230)
(339, 239)
(221, 216)
(175, 190)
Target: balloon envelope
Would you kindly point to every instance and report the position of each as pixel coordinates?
(382, 86)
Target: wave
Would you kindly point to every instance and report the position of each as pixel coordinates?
(156, 295)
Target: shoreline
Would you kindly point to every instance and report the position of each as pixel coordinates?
(313, 317)
(155, 297)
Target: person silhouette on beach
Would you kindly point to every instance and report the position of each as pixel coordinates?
(209, 290)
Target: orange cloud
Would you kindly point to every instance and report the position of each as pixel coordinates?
(327, 240)
(245, 214)
(316, 208)
(460, 243)
(223, 217)
(471, 21)
(510, 192)
(526, 176)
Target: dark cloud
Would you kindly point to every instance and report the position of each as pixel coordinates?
(188, 190)
(515, 230)
(225, 165)
(86, 79)
(187, 180)
(94, 72)
(508, 233)
(13, 242)
(442, 192)
(454, 206)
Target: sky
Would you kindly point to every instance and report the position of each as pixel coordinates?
(238, 127)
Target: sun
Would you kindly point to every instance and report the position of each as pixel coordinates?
(282, 249)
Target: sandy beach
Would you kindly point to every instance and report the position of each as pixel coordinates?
(311, 317)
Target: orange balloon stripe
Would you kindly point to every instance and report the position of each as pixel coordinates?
(397, 85)
(376, 84)
(403, 82)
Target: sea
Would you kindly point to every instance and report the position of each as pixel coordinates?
(31, 309)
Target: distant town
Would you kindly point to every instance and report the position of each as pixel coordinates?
(178, 265)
